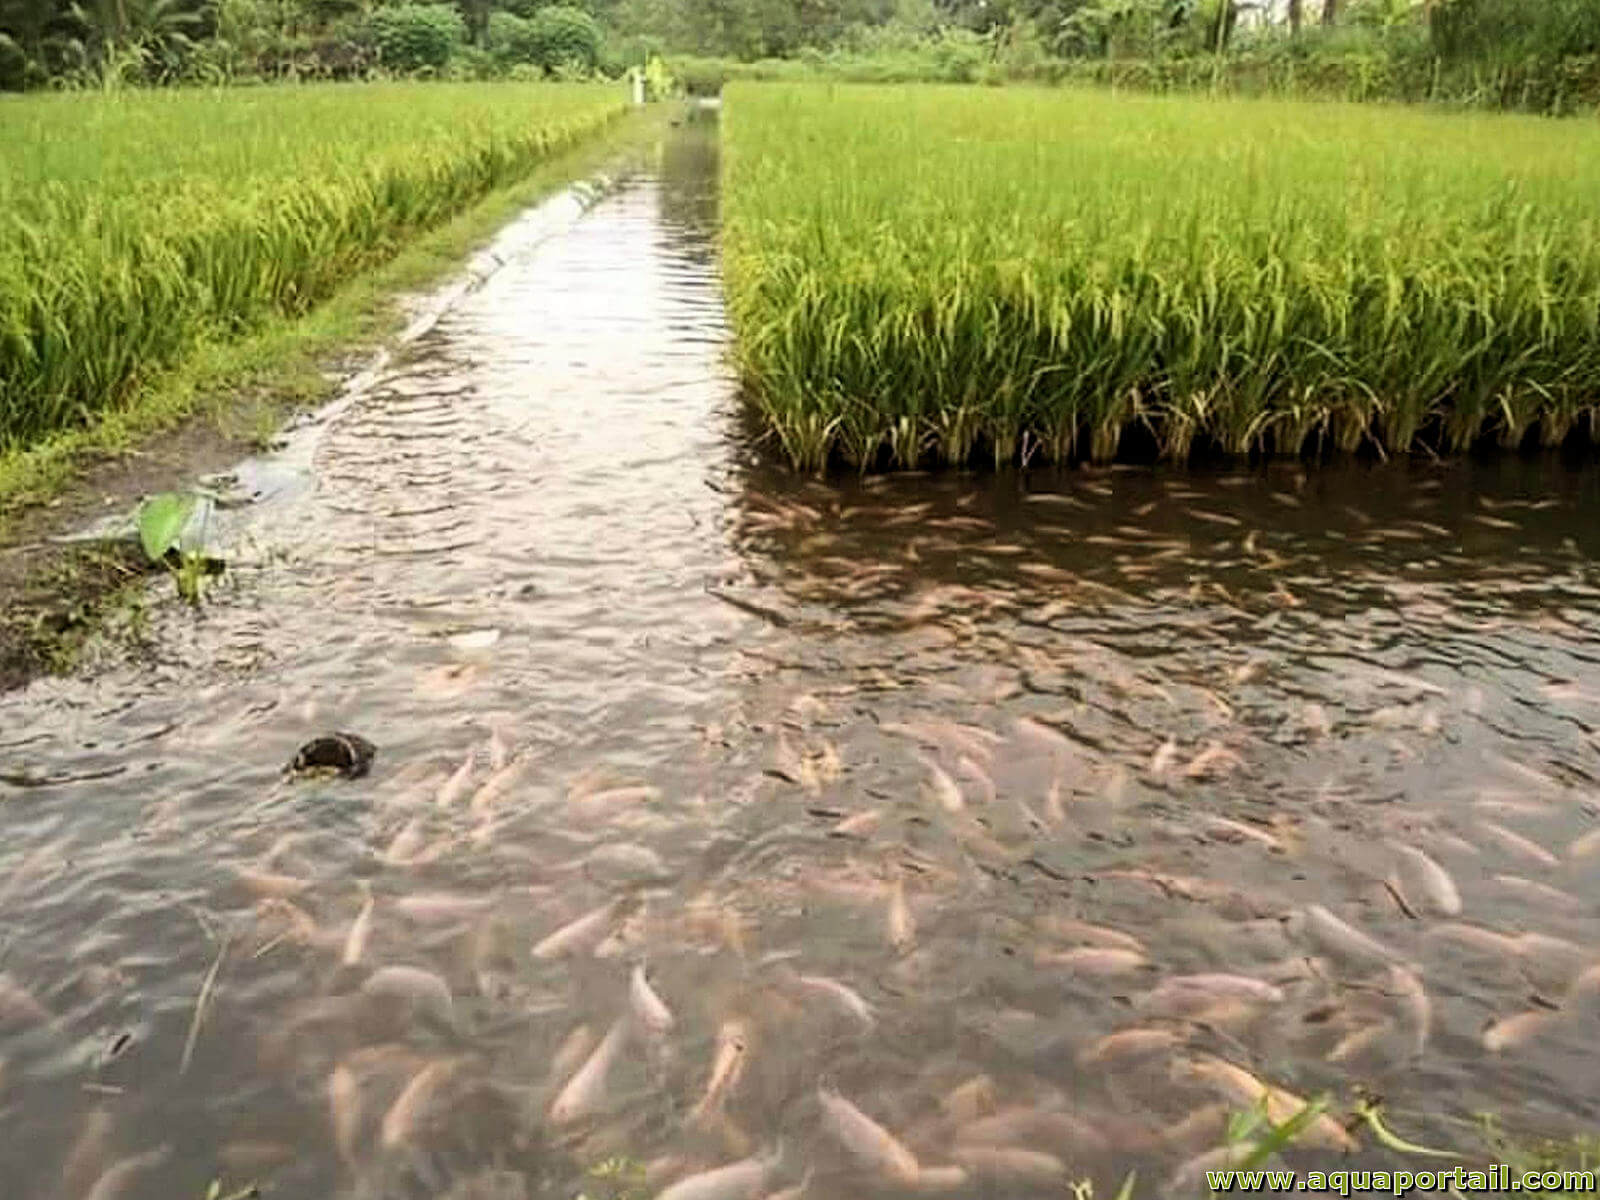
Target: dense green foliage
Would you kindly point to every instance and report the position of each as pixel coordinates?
(115, 42)
(134, 226)
(511, 39)
(1514, 30)
(951, 56)
(566, 37)
(1565, 87)
(932, 274)
(555, 38)
(1537, 54)
(411, 37)
(1398, 65)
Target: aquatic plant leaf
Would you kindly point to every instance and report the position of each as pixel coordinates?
(161, 522)
(1369, 1113)
(1281, 1135)
(193, 537)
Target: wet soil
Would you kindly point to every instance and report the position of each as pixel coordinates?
(55, 593)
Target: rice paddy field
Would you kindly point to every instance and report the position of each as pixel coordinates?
(134, 225)
(927, 274)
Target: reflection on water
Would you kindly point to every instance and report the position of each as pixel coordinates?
(924, 835)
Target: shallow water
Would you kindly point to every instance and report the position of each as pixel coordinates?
(895, 733)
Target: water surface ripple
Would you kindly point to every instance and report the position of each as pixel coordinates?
(904, 794)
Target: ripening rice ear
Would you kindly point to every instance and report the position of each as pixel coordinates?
(953, 274)
(236, 208)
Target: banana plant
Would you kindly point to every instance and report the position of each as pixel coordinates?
(136, 35)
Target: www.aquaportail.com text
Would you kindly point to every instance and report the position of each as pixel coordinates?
(1497, 1178)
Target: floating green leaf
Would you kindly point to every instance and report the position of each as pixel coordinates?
(161, 522)
(1279, 1135)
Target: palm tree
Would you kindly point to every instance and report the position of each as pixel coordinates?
(150, 25)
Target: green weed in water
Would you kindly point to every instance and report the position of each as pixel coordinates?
(1265, 1137)
(162, 520)
(618, 1178)
(164, 524)
(1581, 1154)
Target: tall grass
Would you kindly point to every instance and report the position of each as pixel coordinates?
(931, 274)
(135, 225)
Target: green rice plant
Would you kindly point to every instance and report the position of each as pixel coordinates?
(940, 275)
(137, 225)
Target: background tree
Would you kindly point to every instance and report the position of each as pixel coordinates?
(1222, 25)
(413, 37)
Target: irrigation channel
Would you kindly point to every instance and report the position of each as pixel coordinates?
(907, 794)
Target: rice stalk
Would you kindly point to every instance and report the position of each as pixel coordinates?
(136, 225)
(927, 275)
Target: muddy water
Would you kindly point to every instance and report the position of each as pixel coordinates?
(912, 791)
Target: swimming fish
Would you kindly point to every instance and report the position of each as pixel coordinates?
(456, 786)
(1516, 844)
(648, 1008)
(1096, 962)
(844, 998)
(581, 935)
(1163, 758)
(120, 1176)
(733, 1044)
(355, 944)
(1510, 1032)
(1416, 1006)
(867, 1142)
(407, 1111)
(1011, 1165)
(902, 928)
(1338, 937)
(18, 1006)
(585, 1092)
(1072, 930)
(742, 1180)
(1185, 995)
(426, 992)
(1129, 1044)
(943, 788)
(1427, 880)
